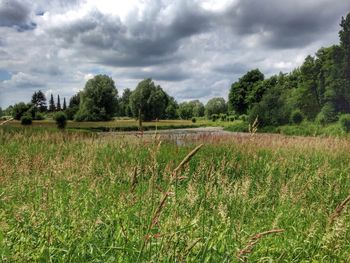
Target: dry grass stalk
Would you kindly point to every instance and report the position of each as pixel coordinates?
(134, 179)
(160, 207)
(337, 212)
(187, 159)
(6, 121)
(253, 241)
(253, 128)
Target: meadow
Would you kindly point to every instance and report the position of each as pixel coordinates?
(68, 196)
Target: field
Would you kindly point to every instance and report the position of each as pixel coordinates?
(82, 197)
(115, 125)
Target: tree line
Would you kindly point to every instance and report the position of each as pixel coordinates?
(318, 90)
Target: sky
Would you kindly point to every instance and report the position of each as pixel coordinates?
(194, 49)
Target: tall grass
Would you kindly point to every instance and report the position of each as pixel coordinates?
(77, 197)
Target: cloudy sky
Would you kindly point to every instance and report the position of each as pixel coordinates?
(193, 49)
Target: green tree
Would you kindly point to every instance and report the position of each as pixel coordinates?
(344, 35)
(215, 106)
(58, 107)
(239, 95)
(64, 104)
(73, 106)
(124, 104)
(52, 106)
(148, 102)
(171, 109)
(39, 101)
(20, 109)
(198, 108)
(61, 119)
(185, 110)
(98, 100)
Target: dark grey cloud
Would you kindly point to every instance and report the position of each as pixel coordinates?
(136, 43)
(286, 24)
(16, 14)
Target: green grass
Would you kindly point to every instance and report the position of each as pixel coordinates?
(120, 125)
(303, 129)
(79, 197)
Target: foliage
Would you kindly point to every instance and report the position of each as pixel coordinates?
(214, 117)
(246, 90)
(64, 104)
(73, 106)
(296, 117)
(19, 110)
(39, 116)
(344, 121)
(270, 110)
(39, 101)
(223, 117)
(321, 119)
(124, 104)
(194, 120)
(98, 100)
(58, 106)
(52, 106)
(26, 119)
(329, 113)
(171, 111)
(215, 106)
(61, 119)
(148, 101)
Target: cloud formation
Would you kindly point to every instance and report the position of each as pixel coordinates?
(194, 48)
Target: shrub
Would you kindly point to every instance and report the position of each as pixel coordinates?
(321, 119)
(26, 120)
(194, 120)
(214, 117)
(61, 119)
(223, 117)
(329, 113)
(296, 117)
(243, 117)
(231, 118)
(39, 116)
(19, 110)
(344, 121)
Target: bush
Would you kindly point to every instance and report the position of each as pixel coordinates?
(214, 117)
(223, 117)
(329, 113)
(194, 120)
(61, 119)
(296, 117)
(26, 120)
(19, 110)
(243, 117)
(39, 116)
(231, 118)
(321, 119)
(344, 121)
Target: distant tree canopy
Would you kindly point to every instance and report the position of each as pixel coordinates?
(215, 106)
(39, 101)
(124, 104)
(319, 88)
(98, 100)
(190, 109)
(246, 91)
(148, 101)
